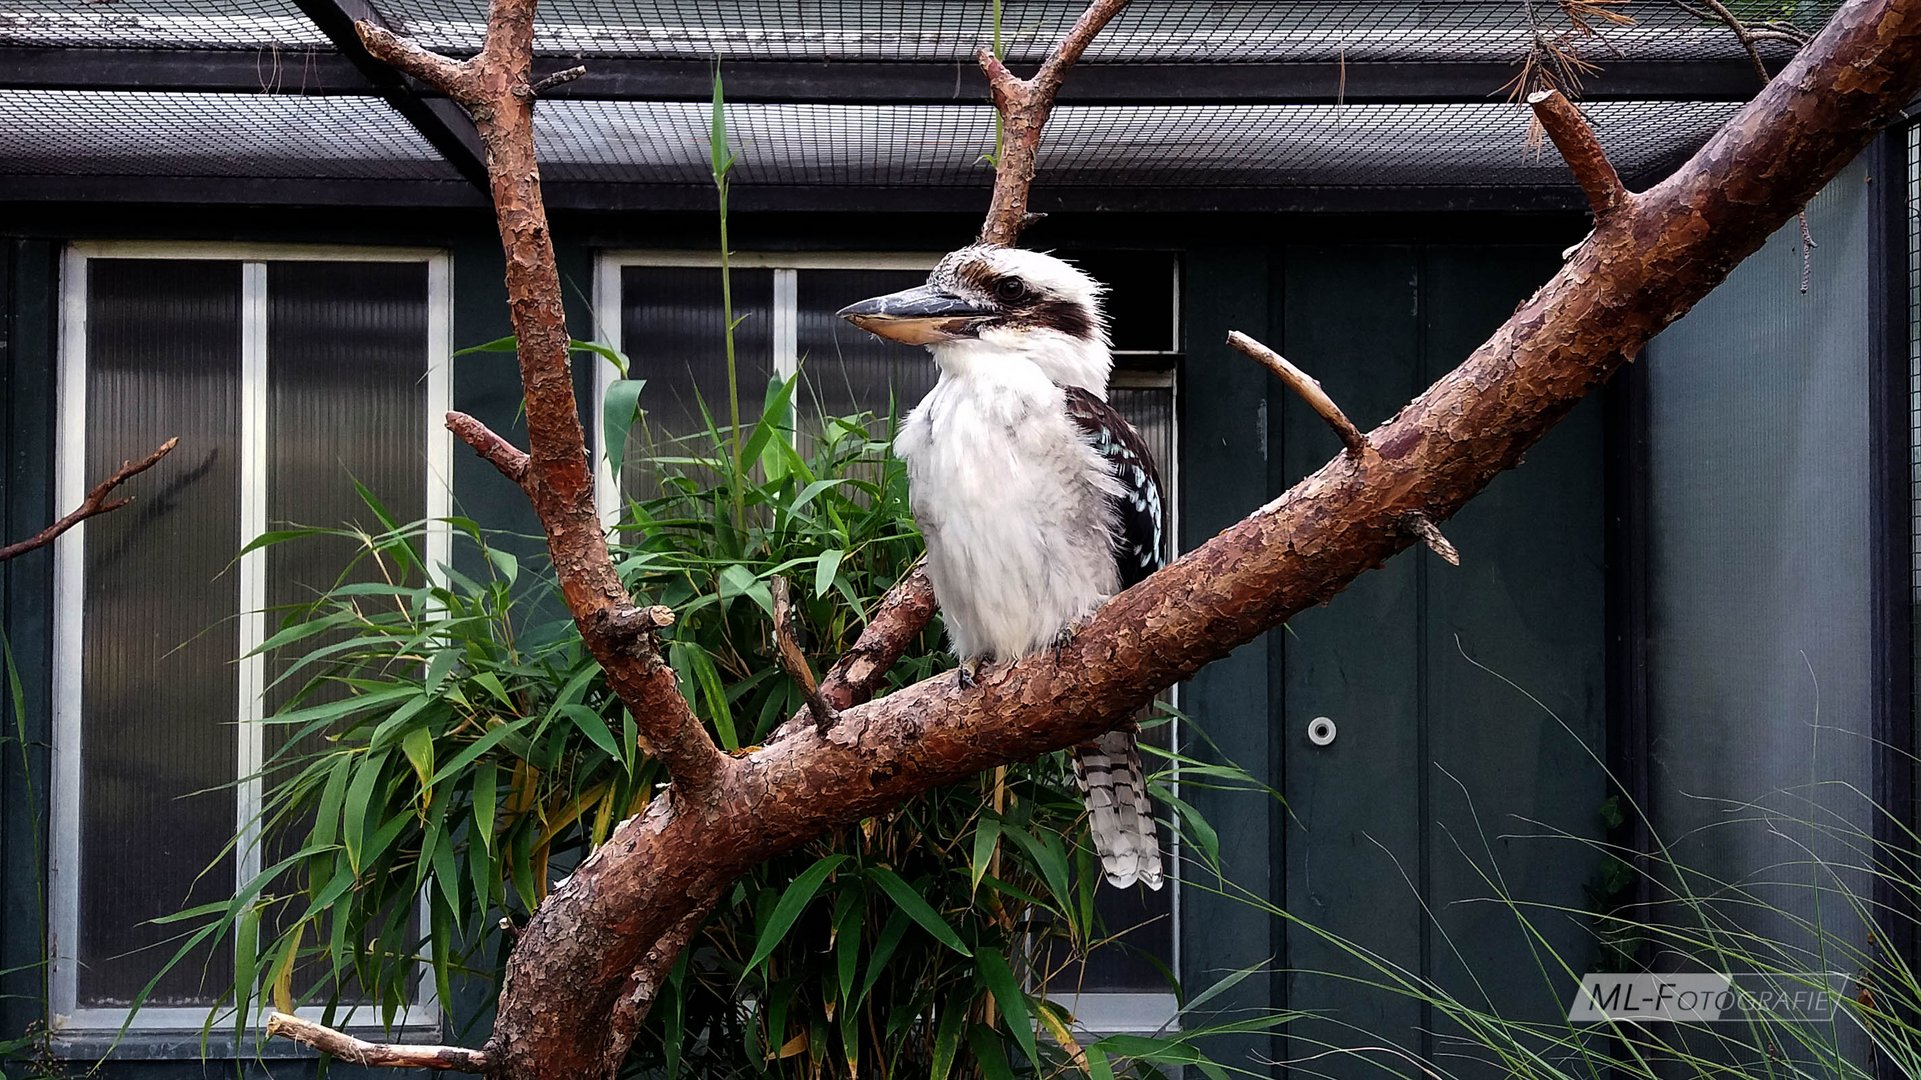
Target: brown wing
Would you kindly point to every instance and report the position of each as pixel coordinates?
(1140, 513)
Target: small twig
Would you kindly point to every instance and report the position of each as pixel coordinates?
(94, 504)
(892, 628)
(557, 78)
(1741, 33)
(511, 460)
(1308, 387)
(337, 1044)
(1564, 124)
(793, 660)
(1429, 533)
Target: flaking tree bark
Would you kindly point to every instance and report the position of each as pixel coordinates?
(586, 966)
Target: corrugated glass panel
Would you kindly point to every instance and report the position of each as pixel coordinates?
(347, 365)
(159, 637)
(673, 331)
(844, 369)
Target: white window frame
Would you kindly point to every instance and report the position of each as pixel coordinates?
(1099, 1011)
(70, 482)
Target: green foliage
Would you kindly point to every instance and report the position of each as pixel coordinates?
(448, 749)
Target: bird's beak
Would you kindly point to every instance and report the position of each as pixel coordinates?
(922, 315)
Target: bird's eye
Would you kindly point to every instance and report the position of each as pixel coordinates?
(1010, 289)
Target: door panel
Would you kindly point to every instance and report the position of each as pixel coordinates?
(1407, 835)
(1351, 318)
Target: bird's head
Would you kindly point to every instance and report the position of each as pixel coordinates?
(987, 304)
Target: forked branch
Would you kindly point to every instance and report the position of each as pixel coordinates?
(94, 504)
(1024, 106)
(569, 1003)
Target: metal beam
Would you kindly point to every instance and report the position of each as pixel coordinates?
(580, 197)
(923, 83)
(238, 191)
(439, 121)
(249, 71)
(844, 82)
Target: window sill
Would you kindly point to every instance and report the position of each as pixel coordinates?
(151, 1045)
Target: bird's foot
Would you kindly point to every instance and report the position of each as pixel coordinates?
(964, 676)
(1063, 639)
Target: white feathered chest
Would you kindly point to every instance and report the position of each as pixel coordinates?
(1016, 505)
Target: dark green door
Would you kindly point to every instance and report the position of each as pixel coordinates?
(1463, 707)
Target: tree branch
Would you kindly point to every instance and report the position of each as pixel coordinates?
(511, 460)
(1563, 122)
(1024, 106)
(1671, 245)
(494, 87)
(899, 619)
(793, 660)
(1308, 387)
(629, 904)
(360, 1052)
(94, 504)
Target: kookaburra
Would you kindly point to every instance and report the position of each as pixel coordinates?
(1037, 500)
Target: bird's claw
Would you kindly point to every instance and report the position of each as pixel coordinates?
(964, 675)
(1062, 640)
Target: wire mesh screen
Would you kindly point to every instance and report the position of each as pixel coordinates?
(1193, 145)
(135, 133)
(200, 24)
(1164, 30)
(1914, 402)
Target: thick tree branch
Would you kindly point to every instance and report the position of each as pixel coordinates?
(94, 504)
(345, 1047)
(1563, 122)
(1643, 269)
(1024, 106)
(578, 980)
(495, 87)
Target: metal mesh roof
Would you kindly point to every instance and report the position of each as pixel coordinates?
(127, 133)
(1166, 31)
(199, 88)
(198, 24)
(1205, 145)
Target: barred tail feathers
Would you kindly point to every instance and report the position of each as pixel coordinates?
(1120, 818)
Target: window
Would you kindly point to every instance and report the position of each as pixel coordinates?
(664, 310)
(287, 374)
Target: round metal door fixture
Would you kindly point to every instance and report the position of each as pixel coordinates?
(1320, 731)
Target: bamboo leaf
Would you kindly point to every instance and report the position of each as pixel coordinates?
(360, 798)
(999, 979)
(825, 568)
(618, 412)
(989, 1054)
(594, 726)
(917, 909)
(792, 903)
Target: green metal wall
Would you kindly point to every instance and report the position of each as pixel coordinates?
(1392, 835)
